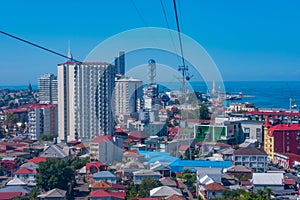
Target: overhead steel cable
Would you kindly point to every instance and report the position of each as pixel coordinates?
(38, 46)
(169, 29)
(139, 14)
(178, 31)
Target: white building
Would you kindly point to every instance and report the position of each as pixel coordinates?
(48, 89)
(85, 100)
(43, 119)
(127, 92)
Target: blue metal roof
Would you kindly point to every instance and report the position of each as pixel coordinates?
(104, 174)
(179, 165)
(153, 157)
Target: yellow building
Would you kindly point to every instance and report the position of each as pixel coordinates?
(268, 140)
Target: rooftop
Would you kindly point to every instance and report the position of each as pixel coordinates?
(284, 127)
(267, 178)
(214, 187)
(249, 151)
(102, 138)
(105, 193)
(54, 193)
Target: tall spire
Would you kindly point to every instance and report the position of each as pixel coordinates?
(69, 52)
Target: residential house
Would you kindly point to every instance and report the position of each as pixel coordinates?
(275, 181)
(27, 175)
(227, 153)
(176, 197)
(105, 176)
(10, 195)
(95, 166)
(130, 167)
(165, 191)
(107, 195)
(214, 173)
(139, 176)
(252, 157)
(240, 171)
(166, 181)
(57, 151)
(213, 190)
(16, 188)
(163, 168)
(105, 185)
(54, 194)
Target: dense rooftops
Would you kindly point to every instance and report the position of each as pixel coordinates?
(249, 151)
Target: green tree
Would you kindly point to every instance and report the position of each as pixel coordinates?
(147, 185)
(54, 173)
(45, 137)
(204, 112)
(11, 118)
(78, 163)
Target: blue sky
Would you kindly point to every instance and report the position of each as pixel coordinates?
(248, 40)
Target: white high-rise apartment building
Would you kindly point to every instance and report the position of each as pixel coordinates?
(127, 92)
(42, 119)
(85, 100)
(48, 89)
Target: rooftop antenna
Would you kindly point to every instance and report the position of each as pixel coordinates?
(69, 52)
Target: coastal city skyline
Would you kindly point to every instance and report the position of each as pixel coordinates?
(259, 39)
(139, 100)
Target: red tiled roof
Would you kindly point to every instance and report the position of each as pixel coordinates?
(267, 123)
(106, 185)
(10, 195)
(119, 130)
(12, 144)
(274, 113)
(175, 197)
(214, 187)
(183, 147)
(102, 138)
(105, 193)
(284, 127)
(132, 119)
(28, 107)
(94, 164)
(21, 148)
(137, 135)
(37, 159)
(288, 181)
(25, 171)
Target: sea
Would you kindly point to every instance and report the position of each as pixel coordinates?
(264, 94)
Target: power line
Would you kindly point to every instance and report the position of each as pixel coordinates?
(166, 19)
(182, 68)
(178, 30)
(38, 46)
(139, 14)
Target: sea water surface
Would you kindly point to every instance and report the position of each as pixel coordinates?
(264, 94)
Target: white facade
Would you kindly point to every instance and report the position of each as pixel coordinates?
(43, 119)
(34, 123)
(85, 100)
(127, 92)
(48, 89)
